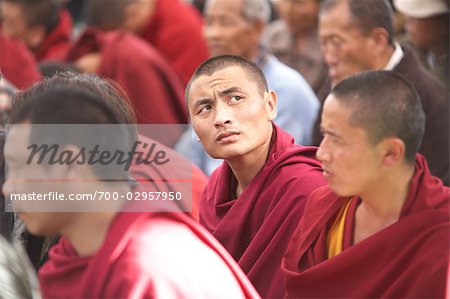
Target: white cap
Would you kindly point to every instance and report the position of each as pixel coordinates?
(421, 8)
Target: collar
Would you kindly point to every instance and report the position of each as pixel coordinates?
(395, 57)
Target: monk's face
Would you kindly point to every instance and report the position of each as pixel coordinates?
(351, 164)
(24, 179)
(230, 114)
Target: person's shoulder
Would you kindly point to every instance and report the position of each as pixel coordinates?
(297, 165)
(321, 200)
(283, 78)
(173, 259)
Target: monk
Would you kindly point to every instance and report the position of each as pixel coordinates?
(107, 253)
(155, 91)
(173, 27)
(253, 202)
(380, 229)
(45, 26)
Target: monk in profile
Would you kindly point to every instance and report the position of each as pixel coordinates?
(380, 229)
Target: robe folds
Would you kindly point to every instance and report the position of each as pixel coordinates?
(408, 259)
(155, 90)
(175, 30)
(146, 255)
(17, 63)
(57, 42)
(257, 226)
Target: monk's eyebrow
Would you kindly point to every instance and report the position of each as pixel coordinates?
(228, 91)
(329, 132)
(201, 102)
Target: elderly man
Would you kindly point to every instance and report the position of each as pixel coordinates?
(356, 36)
(380, 229)
(253, 202)
(236, 27)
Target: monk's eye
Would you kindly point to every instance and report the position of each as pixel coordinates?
(205, 109)
(234, 99)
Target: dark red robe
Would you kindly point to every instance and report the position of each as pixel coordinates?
(175, 30)
(257, 226)
(143, 257)
(154, 89)
(17, 63)
(57, 42)
(408, 259)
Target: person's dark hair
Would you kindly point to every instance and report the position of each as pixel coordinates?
(384, 104)
(367, 15)
(89, 113)
(107, 90)
(57, 106)
(211, 65)
(106, 14)
(48, 68)
(40, 12)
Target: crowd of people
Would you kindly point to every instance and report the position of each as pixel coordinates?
(308, 138)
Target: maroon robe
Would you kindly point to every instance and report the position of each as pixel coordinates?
(175, 30)
(17, 63)
(257, 226)
(154, 89)
(406, 259)
(142, 256)
(57, 42)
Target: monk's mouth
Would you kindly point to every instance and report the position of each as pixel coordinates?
(225, 135)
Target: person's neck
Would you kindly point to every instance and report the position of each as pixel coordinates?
(245, 168)
(89, 231)
(382, 205)
(384, 58)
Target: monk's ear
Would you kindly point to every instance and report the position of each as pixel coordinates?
(35, 36)
(271, 99)
(379, 39)
(393, 150)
